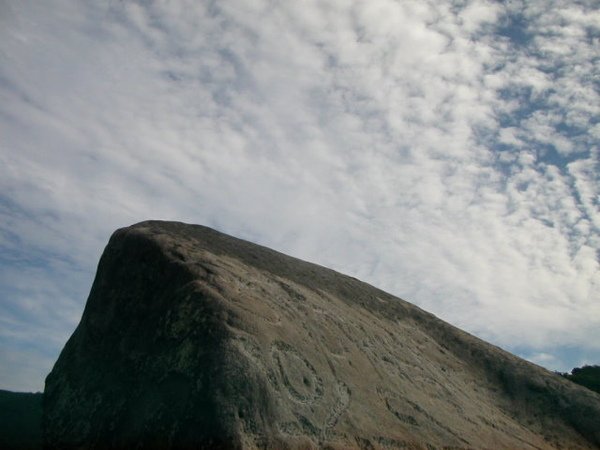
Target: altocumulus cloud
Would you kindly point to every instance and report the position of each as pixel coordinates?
(444, 151)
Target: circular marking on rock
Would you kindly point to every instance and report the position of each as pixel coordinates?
(297, 374)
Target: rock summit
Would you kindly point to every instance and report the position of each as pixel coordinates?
(192, 339)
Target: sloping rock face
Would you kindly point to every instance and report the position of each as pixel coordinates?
(192, 339)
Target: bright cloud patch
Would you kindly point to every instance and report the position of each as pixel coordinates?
(444, 151)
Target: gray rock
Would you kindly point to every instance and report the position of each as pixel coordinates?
(193, 339)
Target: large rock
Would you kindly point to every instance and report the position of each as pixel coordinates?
(194, 339)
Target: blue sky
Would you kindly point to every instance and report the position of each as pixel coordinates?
(445, 151)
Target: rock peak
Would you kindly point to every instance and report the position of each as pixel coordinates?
(193, 339)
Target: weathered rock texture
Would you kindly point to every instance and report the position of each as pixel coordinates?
(194, 339)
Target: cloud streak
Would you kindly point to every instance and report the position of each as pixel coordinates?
(446, 153)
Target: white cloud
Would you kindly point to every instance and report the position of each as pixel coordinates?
(405, 143)
(543, 359)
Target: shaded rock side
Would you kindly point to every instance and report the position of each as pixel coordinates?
(193, 339)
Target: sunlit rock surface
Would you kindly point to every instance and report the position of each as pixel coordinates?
(194, 339)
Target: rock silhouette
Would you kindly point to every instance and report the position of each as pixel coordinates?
(192, 339)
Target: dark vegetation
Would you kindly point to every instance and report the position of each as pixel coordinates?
(588, 376)
(20, 420)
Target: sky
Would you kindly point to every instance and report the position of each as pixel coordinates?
(444, 151)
